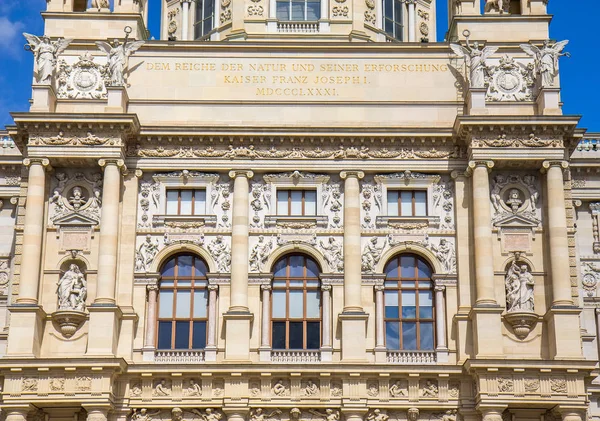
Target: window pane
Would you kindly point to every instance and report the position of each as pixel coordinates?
(282, 195)
(296, 266)
(391, 269)
(184, 282)
(207, 26)
(408, 266)
(408, 284)
(409, 309)
(391, 304)
(200, 202)
(199, 335)
(165, 304)
(425, 304)
(314, 11)
(426, 335)
(388, 5)
(184, 265)
(310, 201)
(392, 336)
(296, 335)
(183, 304)
(313, 304)
(312, 270)
(406, 202)
(283, 11)
(424, 271)
(420, 203)
(392, 203)
(172, 202)
(164, 335)
(182, 335)
(298, 11)
(186, 202)
(169, 268)
(201, 268)
(296, 196)
(278, 335)
(409, 335)
(278, 304)
(279, 268)
(389, 25)
(200, 303)
(296, 304)
(398, 11)
(313, 335)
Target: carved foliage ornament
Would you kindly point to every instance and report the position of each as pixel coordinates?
(590, 278)
(510, 81)
(87, 139)
(504, 141)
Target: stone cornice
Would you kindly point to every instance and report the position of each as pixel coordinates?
(467, 126)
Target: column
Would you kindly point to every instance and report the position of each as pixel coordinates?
(440, 318)
(265, 341)
(185, 20)
(150, 337)
(352, 246)
(412, 35)
(353, 317)
(557, 230)
(485, 315)
(104, 312)
(563, 316)
(33, 231)
(26, 317)
(326, 303)
(597, 313)
(482, 230)
(109, 230)
(379, 315)
(238, 317)
(571, 414)
(16, 414)
(210, 351)
(97, 414)
(491, 414)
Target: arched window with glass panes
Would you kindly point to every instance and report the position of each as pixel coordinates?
(183, 303)
(296, 304)
(409, 314)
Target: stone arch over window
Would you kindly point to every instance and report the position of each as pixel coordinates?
(301, 248)
(411, 248)
(166, 253)
(409, 307)
(296, 308)
(182, 319)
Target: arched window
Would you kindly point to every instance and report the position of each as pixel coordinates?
(296, 304)
(409, 310)
(182, 303)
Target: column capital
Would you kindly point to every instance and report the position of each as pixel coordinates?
(439, 288)
(479, 163)
(152, 287)
(241, 173)
(379, 287)
(455, 175)
(546, 165)
(45, 162)
(139, 173)
(265, 287)
(213, 287)
(105, 162)
(326, 287)
(352, 173)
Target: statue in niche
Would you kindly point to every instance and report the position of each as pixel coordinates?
(328, 415)
(260, 253)
(161, 389)
(143, 414)
(396, 390)
(429, 390)
(279, 388)
(145, 254)
(100, 4)
(220, 251)
(259, 414)
(519, 284)
(514, 200)
(500, 6)
(72, 290)
(46, 54)
(311, 389)
(377, 415)
(77, 200)
(193, 389)
(546, 60)
(333, 254)
(371, 254)
(475, 60)
(208, 415)
(118, 58)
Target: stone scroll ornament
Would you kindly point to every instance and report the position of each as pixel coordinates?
(475, 58)
(118, 57)
(546, 60)
(46, 54)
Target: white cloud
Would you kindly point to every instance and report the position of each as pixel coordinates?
(10, 36)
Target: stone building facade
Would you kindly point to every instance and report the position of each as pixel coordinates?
(268, 217)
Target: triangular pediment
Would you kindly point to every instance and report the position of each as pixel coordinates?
(515, 220)
(75, 219)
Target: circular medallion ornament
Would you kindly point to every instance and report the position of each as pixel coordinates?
(172, 27)
(85, 80)
(424, 29)
(509, 82)
(589, 282)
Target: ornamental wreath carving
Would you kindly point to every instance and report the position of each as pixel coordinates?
(82, 80)
(87, 139)
(510, 81)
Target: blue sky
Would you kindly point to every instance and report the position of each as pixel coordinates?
(579, 74)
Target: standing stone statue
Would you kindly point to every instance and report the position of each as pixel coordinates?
(519, 284)
(46, 54)
(118, 58)
(221, 253)
(72, 290)
(475, 60)
(100, 4)
(371, 255)
(546, 60)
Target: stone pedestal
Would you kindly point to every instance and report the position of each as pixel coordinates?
(237, 330)
(476, 101)
(118, 99)
(487, 331)
(548, 101)
(354, 336)
(25, 331)
(43, 99)
(538, 7)
(564, 333)
(104, 329)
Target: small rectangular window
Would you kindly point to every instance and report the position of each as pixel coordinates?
(298, 10)
(296, 202)
(186, 202)
(407, 202)
(205, 14)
